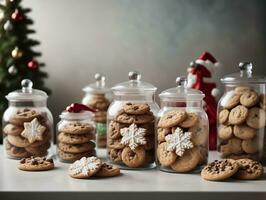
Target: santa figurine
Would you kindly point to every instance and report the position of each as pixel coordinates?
(200, 75)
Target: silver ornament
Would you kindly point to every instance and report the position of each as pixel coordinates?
(8, 26)
(12, 70)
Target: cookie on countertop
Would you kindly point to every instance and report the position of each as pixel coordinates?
(36, 164)
(108, 170)
(249, 169)
(172, 118)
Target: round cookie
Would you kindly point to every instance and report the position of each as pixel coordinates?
(76, 128)
(15, 152)
(12, 129)
(249, 98)
(18, 141)
(38, 151)
(136, 119)
(115, 144)
(199, 133)
(134, 158)
(136, 108)
(225, 132)
(223, 116)
(85, 167)
(256, 118)
(242, 89)
(108, 170)
(250, 146)
(220, 170)
(25, 115)
(191, 120)
(70, 157)
(76, 148)
(188, 161)
(161, 133)
(115, 155)
(238, 115)
(46, 138)
(166, 158)
(75, 139)
(172, 118)
(249, 169)
(36, 164)
(232, 101)
(244, 132)
(114, 129)
(233, 146)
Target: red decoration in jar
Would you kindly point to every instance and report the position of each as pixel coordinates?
(77, 107)
(33, 65)
(17, 16)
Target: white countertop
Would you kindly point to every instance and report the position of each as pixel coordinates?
(130, 181)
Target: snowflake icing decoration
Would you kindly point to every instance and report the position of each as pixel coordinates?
(178, 141)
(133, 136)
(84, 165)
(33, 130)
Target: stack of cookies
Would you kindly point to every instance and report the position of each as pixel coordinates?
(131, 136)
(75, 140)
(27, 133)
(100, 103)
(241, 124)
(182, 141)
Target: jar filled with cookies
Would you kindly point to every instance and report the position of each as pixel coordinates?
(76, 133)
(182, 130)
(130, 124)
(98, 96)
(27, 123)
(241, 114)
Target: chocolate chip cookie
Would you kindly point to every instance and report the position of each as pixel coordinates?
(36, 164)
(249, 169)
(172, 118)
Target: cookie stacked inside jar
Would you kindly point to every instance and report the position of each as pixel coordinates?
(75, 136)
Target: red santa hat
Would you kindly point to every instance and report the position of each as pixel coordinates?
(207, 60)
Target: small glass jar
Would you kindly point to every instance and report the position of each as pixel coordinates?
(182, 129)
(130, 121)
(98, 96)
(75, 136)
(241, 114)
(27, 123)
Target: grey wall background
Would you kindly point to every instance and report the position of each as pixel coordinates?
(157, 37)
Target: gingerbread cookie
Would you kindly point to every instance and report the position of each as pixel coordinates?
(238, 115)
(172, 118)
(75, 139)
(76, 128)
(225, 132)
(250, 146)
(223, 116)
(166, 158)
(12, 129)
(249, 99)
(76, 148)
(249, 169)
(108, 170)
(136, 108)
(256, 118)
(232, 101)
(191, 120)
(36, 164)
(244, 132)
(85, 167)
(134, 158)
(220, 170)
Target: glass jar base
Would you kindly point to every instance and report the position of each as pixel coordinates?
(124, 167)
(197, 170)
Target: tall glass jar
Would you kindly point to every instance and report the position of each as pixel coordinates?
(27, 123)
(98, 96)
(75, 136)
(241, 114)
(182, 129)
(130, 120)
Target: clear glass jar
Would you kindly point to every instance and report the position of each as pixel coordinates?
(27, 123)
(98, 96)
(241, 114)
(75, 136)
(182, 129)
(130, 121)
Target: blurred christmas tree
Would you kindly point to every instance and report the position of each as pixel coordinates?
(17, 56)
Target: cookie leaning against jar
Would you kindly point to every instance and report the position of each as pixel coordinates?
(181, 137)
(131, 136)
(27, 133)
(76, 133)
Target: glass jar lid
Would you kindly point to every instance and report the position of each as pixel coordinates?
(98, 87)
(182, 92)
(134, 85)
(245, 75)
(27, 93)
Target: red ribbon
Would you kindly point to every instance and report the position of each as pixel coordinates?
(77, 107)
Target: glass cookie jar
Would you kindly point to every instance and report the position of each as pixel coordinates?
(241, 114)
(98, 96)
(130, 124)
(75, 136)
(27, 123)
(182, 130)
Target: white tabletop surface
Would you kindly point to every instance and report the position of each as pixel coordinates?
(57, 180)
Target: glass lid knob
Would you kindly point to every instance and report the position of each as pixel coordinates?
(245, 69)
(26, 85)
(134, 75)
(99, 77)
(181, 81)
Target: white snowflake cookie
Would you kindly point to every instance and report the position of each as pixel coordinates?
(85, 167)
(133, 136)
(178, 141)
(33, 130)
